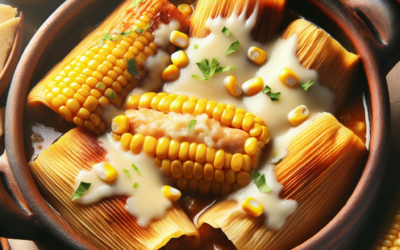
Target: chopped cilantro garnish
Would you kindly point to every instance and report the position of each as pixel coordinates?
(196, 46)
(136, 169)
(140, 30)
(135, 185)
(83, 187)
(192, 123)
(126, 33)
(226, 31)
(234, 47)
(136, 3)
(106, 36)
(132, 67)
(306, 85)
(261, 183)
(273, 96)
(127, 173)
(209, 69)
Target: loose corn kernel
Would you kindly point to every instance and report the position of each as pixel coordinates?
(237, 162)
(252, 207)
(186, 9)
(250, 146)
(106, 172)
(253, 86)
(176, 169)
(162, 148)
(150, 145)
(171, 193)
(298, 115)
(120, 124)
(257, 55)
(180, 59)
(179, 39)
(126, 140)
(288, 77)
(232, 85)
(170, 73)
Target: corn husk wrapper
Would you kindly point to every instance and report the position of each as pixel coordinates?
(121, 19)
(321, 164)
(337, 68)
(106, 224)
(269, 18)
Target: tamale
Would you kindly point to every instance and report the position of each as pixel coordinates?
(337, 68)
(269, 17)
(97, 73)
(106, 224)
(321, 164)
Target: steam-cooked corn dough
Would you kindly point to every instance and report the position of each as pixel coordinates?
(7, 12)
(7, 36)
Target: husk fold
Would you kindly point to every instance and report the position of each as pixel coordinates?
(269, 17)
(337, 68)
(318, 171)
(106, 224)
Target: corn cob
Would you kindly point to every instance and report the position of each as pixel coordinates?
(196, 166)
(99, 76)
(388, 237)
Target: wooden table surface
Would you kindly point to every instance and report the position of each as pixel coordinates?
(36, 14)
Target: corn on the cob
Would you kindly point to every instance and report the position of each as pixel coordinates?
(269, 17)
(388, 237)
(321, 164)
(106, 224)
(337, 68)
(97, 74)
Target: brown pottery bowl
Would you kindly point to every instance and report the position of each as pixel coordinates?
(369, 28)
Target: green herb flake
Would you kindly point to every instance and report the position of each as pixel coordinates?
(140, 30)
(83, 187)
(273, 96)
(106, 36)
(136, 3)
(136, 169)
(226, 31)
(126, 33)
(234, 47)
(306, 85)
(192, 123)
(210, 68)
(196, 46)
(197, 77)
(261, 183)
(135, 185)
(132, 67)
(127, 173)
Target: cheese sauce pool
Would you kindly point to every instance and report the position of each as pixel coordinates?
(146, 202)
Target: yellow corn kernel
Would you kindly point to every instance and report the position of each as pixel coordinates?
(218, 111)
(179, 39)
(91, 103)
(237, 162)
(146, 99)
(106, 172)
(227, 117)
(288, 77)
(165, 103)
(298, 115)
(83, 114)
(257, 55)
(250, 146)
(210, 108)
(193, 185)
(126, 140)
(176, 169)
(247, 123)
(171, 193)
(150, 145)
(64, 111)
(170, 73)
(95, 117)
(232, 85)
(176, 106)
(243, 178)
(219, 175)
(188, 168)
(246, 163)
(200, 108)
(226, 188)
(237, 120)
(201, 153)
(78, 121)
(185, 9)
(182, 184)
(162, 148)
(198, 171)
(255, 130)
(265, 135)
(173, 151)
(219, 159)
(204, 187)
(208, 172)
(230, 176)
(210, 155)
(73, 105)
(132, 102)
(120, 124)
(136, 143)
(184, 151)
(188, 107)
(253, 86)
(104, 102)
(180, 59)
(252, 207)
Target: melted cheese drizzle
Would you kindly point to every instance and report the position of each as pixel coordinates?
(146, 202)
